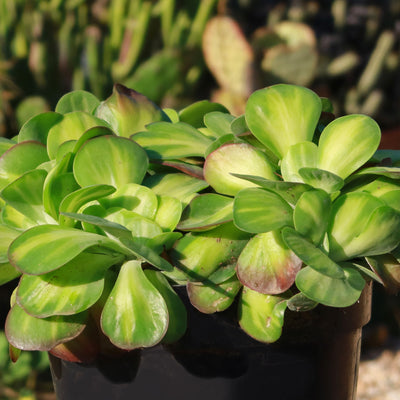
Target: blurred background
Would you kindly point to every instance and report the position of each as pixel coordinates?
(176, 52)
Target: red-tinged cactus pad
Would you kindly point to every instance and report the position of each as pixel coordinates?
(236, 159)
(267, 265)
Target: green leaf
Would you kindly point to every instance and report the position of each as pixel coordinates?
(135, 314)
(26, 195)
(321, 179)
(30, 252)
(299, 155)
(168, 213)
(29, 333)
(206, 211)
(282, 115)
(300, 303)
(219, 123)
(19, 159)
(110, 160)
(359, 133)
(210, 298)
(78, 100)
(200, 254)
(71, 289)
(91, 133)
(177, 185)
(289, 191)
(258, 210)
(267, 265)
(231, 159)
(311, 255)
(7, 235)
(75, 200)
(357, 220)
(261, 315)
(177, 321)
(329, 291)
(133, 197)
(38, 127)
(195, 112)
(388, 172)
(167, 141)
(8, 273)
(311, 215)
(387, 267)
(71, 127)
(221, 141)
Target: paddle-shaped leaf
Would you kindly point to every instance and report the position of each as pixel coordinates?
(261, 315)
(133, 197)
(168, 213)
(177, 321)
(267, 265)
(258, 210)
(180, 186)
(8, 273)
(78, 100)
(110, 160)
(30, 333)
(7, 235)
(219, 123)
(300, 155)
(357, 220)
(359, 133)
(387, 267)
(311, 215)
(135, 314)
(75, 200)
(230, 159)
(300, 303)
(289, 191)
(71, 289)
(282, 115)
(194, 113)
(25, 194)
(31, 253)
(200, 254)
(311, 255)
(210, 298)
(19, 159)
(70, 127)
(206, 211)
(167, 141)
(330, 291)
(321, 179)
(37, 128)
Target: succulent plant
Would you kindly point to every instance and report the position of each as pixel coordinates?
(102, 217)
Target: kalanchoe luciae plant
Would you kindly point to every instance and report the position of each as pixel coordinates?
(320, 209)
(92, 221)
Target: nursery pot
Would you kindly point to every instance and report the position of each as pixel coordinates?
(316, 359)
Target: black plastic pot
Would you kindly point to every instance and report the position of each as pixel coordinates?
(316, 359)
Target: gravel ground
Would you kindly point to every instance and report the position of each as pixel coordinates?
(379, 373)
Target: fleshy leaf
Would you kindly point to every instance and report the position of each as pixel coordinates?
(168, 213)
(330, 291)
(359, 133)
(8, 273)
(230, 159)
(71, 289)
(282, 115)
(357, 220)
(135, 314)
(219, 123)
(177, 321)
(20, 159)
(194, 113)
(210, 298)
(267, 265)
(78, 100)
(311, 255)
(261, 315)
(206, 211)
(387, 267)
(258, 210)
(300, 155)
(110, 160)
(321, 179)
(71, 127)
(29, 333)
(30, 252)
(37, 128)
(167, 141)
(311, 215)
(300, 303)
